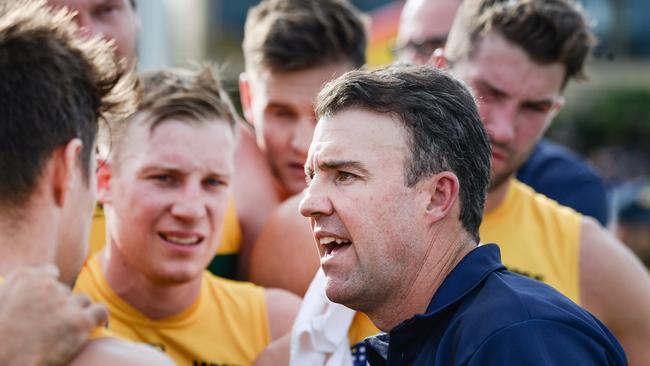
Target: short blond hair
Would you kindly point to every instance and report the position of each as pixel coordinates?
(189, 95)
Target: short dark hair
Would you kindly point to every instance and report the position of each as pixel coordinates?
(193, 96)
(440, 117)
(54, 87)
(293, 35)
(549, 31)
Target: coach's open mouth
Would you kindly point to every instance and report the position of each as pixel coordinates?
(333, 245)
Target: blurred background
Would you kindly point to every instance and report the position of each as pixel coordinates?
(606, 120)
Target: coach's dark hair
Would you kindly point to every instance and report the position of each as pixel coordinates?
(292, 35)
(54, 87)
(440, 117)
(549, 31)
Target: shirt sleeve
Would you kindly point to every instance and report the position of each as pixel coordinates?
(545, 342)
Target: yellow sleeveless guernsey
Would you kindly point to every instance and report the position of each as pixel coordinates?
(224, 264)
(538, 237)
(227, 325)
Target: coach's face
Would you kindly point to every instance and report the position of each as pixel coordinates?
(366, 222)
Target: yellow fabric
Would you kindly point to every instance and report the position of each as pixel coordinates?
(227, 324)
(229, 243)
(538, 237)
(101, 332)
(361, 328)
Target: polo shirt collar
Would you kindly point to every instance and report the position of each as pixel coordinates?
(468, 273)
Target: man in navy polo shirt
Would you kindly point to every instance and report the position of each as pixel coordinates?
(398, 171)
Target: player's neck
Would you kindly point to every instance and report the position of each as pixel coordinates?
(27, 238)
(496, 195)
(155, 300)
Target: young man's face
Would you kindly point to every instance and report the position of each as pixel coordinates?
(168, 196)
(281, 107)
(517, 99)
(112, 19)
(358, 194)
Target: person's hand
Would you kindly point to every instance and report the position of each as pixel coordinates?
(41, 321)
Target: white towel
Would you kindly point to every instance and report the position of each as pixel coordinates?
(320, 332)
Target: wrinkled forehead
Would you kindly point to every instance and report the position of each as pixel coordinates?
(423, 19)
(358, 135)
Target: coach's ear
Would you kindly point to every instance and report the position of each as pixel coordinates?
(438, 59)
(443, 189)
(104, 171)
(245, 97)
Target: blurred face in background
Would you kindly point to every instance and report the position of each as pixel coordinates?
(281, 108)
(111, 19)
(424, 26)
(517, 99)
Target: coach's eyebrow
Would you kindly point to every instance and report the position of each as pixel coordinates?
(354, 166)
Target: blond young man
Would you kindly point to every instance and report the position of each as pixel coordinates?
(165, 188)
(118, 20)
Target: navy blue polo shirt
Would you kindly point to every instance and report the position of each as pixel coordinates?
(483, 314)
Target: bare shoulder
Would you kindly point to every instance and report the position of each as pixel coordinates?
(276, 353)
(287, 216)
(282, 307)
(615, 287)
(285, 254)
(253, 176)
(250, 159)
(112, 351)
(607, 267)
(254, 192)
(603, 255)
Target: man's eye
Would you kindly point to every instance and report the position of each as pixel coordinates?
(485, 96)
(282, 113)
(343, 177)
(105, 10)
(215, 182)
(537, 108)
(162, 178)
